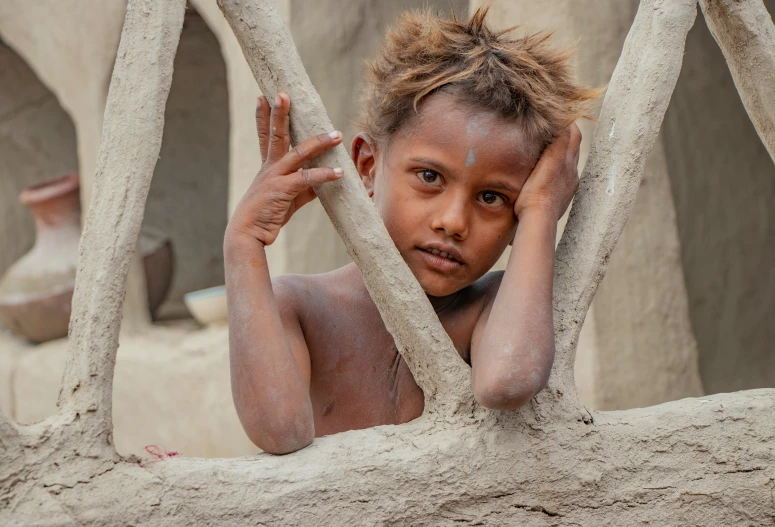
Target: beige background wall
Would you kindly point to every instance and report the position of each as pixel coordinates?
(724, 187)
(189, 193)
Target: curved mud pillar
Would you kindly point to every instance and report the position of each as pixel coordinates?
(637, 347)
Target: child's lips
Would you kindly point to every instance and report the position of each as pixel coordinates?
(440, 260)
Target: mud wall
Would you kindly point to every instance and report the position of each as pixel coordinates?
(171, 388)
(723, 182)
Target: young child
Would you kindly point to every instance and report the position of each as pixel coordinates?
(467, 145)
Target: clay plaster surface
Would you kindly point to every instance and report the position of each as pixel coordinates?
(74, 65)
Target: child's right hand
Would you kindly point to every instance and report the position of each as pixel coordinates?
(283, 185)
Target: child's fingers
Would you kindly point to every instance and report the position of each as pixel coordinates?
(262, 125)
(308, 150)
(302, 180)
(304, 197)
(555, 152)
(279, 141)
(560, 144)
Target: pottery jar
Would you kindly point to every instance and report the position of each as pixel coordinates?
(36, 291)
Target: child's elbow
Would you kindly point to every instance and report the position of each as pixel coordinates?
(285, 430)
(284, 439)
(503, 392)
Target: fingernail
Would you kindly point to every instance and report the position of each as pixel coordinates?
(278, 100)
(338, 171)
(334, 135)
(258, 102)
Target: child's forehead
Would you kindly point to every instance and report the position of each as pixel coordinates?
(445, 123)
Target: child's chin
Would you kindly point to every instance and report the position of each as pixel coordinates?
(434, 288)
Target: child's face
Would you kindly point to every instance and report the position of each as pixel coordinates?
(447, 183)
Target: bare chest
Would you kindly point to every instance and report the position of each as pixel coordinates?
(358, 377)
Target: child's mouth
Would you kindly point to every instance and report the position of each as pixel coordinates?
(440, 260)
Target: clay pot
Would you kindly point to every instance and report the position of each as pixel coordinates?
(36, 291)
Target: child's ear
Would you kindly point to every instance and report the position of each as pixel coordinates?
(363, 152)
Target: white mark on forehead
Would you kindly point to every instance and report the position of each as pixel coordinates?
(475, 126)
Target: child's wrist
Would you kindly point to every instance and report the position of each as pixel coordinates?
(238, 242)
(538, 213)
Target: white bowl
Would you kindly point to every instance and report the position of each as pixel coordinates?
(207, 305)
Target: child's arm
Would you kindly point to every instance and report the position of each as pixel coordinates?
(512, 347)
(270, 366)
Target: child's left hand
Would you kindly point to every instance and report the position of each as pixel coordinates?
(555, 179)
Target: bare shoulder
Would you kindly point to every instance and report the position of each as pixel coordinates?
(304, 292)
(468, 304)
(482, 292)
(490, 282)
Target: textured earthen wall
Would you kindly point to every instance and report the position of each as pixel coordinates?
(723, 181)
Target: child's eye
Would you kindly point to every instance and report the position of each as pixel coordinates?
(429, 177)
(492, 198)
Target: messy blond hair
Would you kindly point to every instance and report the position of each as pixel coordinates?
(521, 79)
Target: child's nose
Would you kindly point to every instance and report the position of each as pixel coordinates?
(452, 218)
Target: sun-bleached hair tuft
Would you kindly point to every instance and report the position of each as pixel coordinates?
(521, 79)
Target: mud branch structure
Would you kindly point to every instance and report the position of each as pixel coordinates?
(696, 461)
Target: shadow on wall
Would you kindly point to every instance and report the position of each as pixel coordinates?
(723, 184)
(189, 193)
(37, 142)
